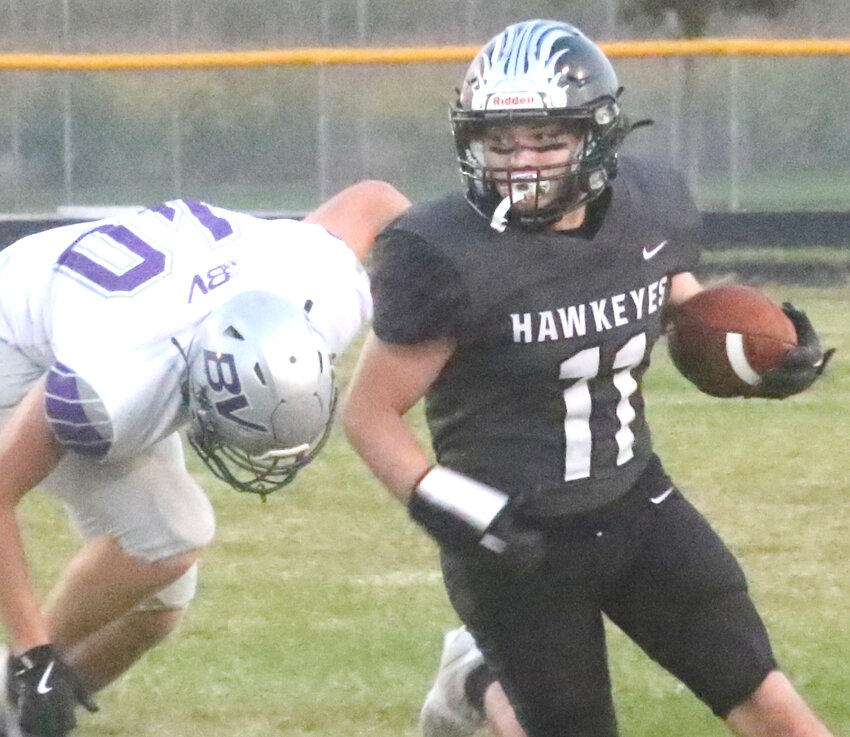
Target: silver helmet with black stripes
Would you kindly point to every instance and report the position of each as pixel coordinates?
(261, 391)
(539, 71)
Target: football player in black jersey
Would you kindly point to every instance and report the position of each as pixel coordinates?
(525, 313)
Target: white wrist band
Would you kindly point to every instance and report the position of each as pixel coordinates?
(469, 500)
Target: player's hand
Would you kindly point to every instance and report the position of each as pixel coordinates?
(521, 548)
(46, 691)
(459, 512)
(802, 365)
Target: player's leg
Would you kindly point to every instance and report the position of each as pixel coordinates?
(685, 602)
(501, 717)
(109, 651)
(100, 583)
(775, 710)
(450, 709)
(112, 650)
(144, 521)
(465, 694)
(542, 636)
(18, 374)
(101, 641)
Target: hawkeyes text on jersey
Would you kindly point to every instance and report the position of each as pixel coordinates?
(553, 334)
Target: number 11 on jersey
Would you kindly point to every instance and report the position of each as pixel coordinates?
(578, 402)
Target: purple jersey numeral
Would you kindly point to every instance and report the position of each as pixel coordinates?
(152, 264)
(153, 261)
(217, 226)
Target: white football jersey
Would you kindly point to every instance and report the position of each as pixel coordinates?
(102, 303)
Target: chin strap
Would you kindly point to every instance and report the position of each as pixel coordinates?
(499, 221)
(520, 189)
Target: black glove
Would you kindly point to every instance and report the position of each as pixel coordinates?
(458, 512)
(802, 365)
(519, 547)
(45, 691)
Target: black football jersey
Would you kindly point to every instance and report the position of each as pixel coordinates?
(541, 397)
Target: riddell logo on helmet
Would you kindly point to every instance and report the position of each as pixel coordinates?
(514, 100)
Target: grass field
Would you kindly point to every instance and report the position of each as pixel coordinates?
(321, 612)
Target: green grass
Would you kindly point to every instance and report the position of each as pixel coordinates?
(321, 612)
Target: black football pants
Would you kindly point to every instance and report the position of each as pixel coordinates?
(656, 569)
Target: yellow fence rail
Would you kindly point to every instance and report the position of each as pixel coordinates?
(406, 55)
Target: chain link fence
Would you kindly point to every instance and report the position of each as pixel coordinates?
(752, 133)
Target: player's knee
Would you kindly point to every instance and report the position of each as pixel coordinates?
(178, 594)
(776, 702)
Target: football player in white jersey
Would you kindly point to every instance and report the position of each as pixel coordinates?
(114, 334)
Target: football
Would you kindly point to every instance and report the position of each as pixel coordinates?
(726, 337)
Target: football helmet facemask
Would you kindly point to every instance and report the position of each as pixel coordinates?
(261, 391)
(539, 72)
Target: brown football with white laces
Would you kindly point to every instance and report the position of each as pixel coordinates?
(724, 338)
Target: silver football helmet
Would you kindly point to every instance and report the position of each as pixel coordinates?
(539, 71)
(261, 391)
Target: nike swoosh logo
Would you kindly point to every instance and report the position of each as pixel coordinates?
(649, 253)
(661, 497)
(42, 687)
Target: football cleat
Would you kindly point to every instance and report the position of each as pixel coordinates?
(447, 711)
(9, 725)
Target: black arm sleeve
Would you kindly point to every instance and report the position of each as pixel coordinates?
(417, 292)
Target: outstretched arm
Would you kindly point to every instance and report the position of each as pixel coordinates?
(388, 381)
(359, 212)
(453, 508)
(46, 689)
(28, 452)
